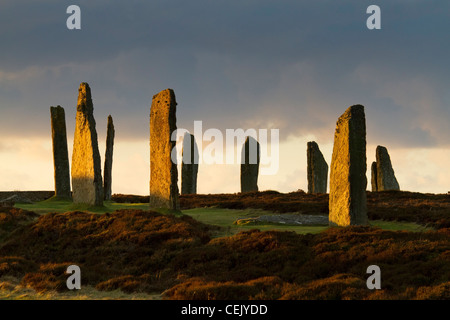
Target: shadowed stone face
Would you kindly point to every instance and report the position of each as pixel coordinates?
(348, 182)
(189, 167)
(86, 168)
(385, 174)
(107, 172)
(60, 153)
(317, 169)
(250, 157)
(374, 177)
(163, 172)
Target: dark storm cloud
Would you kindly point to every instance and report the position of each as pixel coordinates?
(295, 65)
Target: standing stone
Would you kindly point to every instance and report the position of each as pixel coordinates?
(250, 157)
(189, 167)
(86, 166)
(374, 177)
(348, 181)
(385, 174)
(60, 153)
(317, 169)
(163, 171)
(107, 172)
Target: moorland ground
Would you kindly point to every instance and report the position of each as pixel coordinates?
(127, 251)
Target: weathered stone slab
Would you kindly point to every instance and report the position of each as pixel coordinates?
(60, 153)
(374, 177)
(250, 157)
(317, 169)
(348, 181)
(107, 172)
(163, 171)
(86, 167)
(385, 174)
(189, 167)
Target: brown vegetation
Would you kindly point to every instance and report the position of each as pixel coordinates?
(11, 218)
(129, 198)
(427, 209)
(330, 265)
(144, 251)
(33, 196)
(125, 243)
(267, 200)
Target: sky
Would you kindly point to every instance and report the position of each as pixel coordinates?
(290, 65)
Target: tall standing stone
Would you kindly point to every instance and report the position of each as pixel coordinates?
(348, 181)
(250, 157)
(163, 171)
(189, 167)
(317, 169)
(86, 167)
(385, 174)
(60, 153)
(374, 177)
(107, 172)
